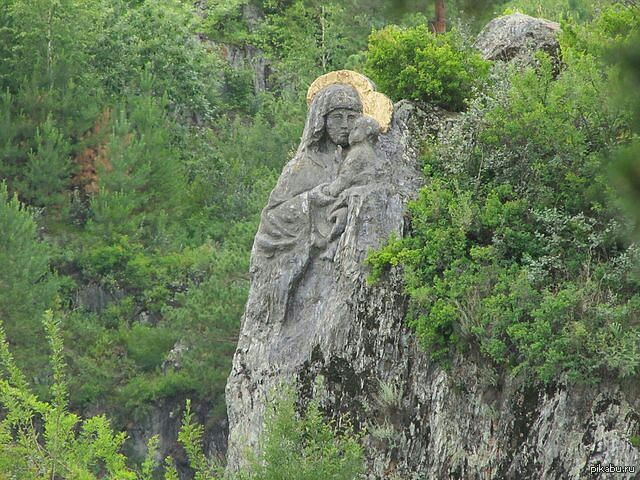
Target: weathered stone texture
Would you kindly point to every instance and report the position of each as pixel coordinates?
(517, 37)
(423, 422)
(285, 333)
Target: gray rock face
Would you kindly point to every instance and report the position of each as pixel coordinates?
(427, 423)
(244, 55)
(311, 313)
(164, 419)
(240, 56)
(517, 36)
(307, 260)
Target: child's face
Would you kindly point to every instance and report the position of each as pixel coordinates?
(363, 129)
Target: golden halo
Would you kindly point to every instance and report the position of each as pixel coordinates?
(374, 104)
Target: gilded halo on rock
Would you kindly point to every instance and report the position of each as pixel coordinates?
(375, 104)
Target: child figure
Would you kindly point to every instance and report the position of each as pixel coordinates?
(358, 168)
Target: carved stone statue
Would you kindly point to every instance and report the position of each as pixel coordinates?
(296, 225)
(335, 325)
(336, 199)
(307, 210)
(296, 216)
(361, 165)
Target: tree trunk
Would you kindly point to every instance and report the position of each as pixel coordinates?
(323, 46)
(440, 25)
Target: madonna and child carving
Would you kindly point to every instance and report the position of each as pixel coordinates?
(336, 167)
(336, 199)
(307, 210)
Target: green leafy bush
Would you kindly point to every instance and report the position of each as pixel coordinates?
(615, 28)
(235, 167)
(616, 36)
(68, 447)
(147, 346)
(519, 250)
(166, 48)
(416, 64)
(578, 10)
(42, 440)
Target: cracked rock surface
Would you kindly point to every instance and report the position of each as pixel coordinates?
(432, 423)
(311, 315)
(517, 37)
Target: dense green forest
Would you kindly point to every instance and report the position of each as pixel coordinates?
(137, 150)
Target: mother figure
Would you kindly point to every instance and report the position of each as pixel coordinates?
(296, 224)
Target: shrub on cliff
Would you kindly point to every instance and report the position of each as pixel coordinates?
(416, 64)
(519, 249)
(42, 439)
(303, 445)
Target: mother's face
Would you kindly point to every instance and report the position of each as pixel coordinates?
(339, 124)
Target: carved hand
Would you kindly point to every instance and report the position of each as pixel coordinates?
(319, 197)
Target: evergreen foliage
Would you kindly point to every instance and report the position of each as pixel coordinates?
(151, 39)
(303, 446)
(559, 10)
(627, 174)
(27, 284)
(102, 107)
(41, 439)
(140, 180)
(305, 40)
(135, 160)
(64, 446)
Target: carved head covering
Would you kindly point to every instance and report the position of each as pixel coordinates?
(375, 104)
(325, 101)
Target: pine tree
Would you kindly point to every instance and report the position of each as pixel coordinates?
(48, 168)
(27, 285)
(140, 181)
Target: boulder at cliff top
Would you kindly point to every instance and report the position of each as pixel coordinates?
(517, 36)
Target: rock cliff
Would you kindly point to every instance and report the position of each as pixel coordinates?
(310, 314)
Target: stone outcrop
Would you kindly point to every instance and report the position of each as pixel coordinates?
(241, 56)
(164, 420)
(312, 314)
(517, 37)
(302, 304)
